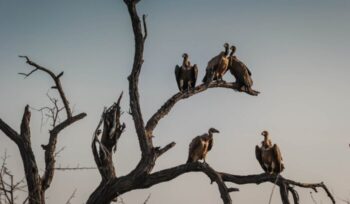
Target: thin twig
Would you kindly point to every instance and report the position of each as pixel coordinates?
(58, 152)
(74, 168)
(27, 75)
(56, 79)
(147, 199)
(71, 197)
(144, 27)
(273, 188)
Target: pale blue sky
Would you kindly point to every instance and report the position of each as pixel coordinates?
(297, 50)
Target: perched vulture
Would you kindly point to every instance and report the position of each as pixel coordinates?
(200, 146)
(217, 66)
(240, 71)
(269, 156)
(186, 75)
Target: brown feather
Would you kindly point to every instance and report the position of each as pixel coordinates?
(186, 75)
(269, 157)
(240, 71)
(198, 148)
(278, 159)
(259, 158)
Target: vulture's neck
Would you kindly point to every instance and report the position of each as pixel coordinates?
(210, 135)
(185, 62)
(226, 51)
(267, 141)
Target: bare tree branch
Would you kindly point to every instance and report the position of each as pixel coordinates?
(313, 186)
(145, 141)
(58, 152)
(294, 194)
(171, 173)
(144, 27)
(273, 189)
(161, 151)
(71, 197)
(257, 179)
(112, 130)
(28, 158)
(147, 199)
(50, 149)
(27, 75)
(25, 129)
(149, 153)
(124, 184)
(9, 132)
(74, 168)
(50, 112)
(169, 104)
(55, 78)
(94, 147)
(232, 190)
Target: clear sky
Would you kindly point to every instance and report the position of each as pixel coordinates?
(297, 50)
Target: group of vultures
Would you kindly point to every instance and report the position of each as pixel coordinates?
(268, 155)
(186, 74)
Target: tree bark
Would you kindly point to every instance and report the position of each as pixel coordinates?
(35, 195)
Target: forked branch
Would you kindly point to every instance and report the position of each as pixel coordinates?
(37, 185)
(50, 149)
(56, 79)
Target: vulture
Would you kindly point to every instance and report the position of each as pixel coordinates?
(200, 146)
(186, 75)
(240, 71)
(217, 66)
(269, 156)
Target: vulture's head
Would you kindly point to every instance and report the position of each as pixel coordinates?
(213, 130)
(233, 49)
(185, 55)
(265, 133)
(226, 45)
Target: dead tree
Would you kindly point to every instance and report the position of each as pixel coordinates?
(38, 184)
(141, 176)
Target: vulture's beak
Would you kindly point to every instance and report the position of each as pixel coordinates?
(215, 130)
